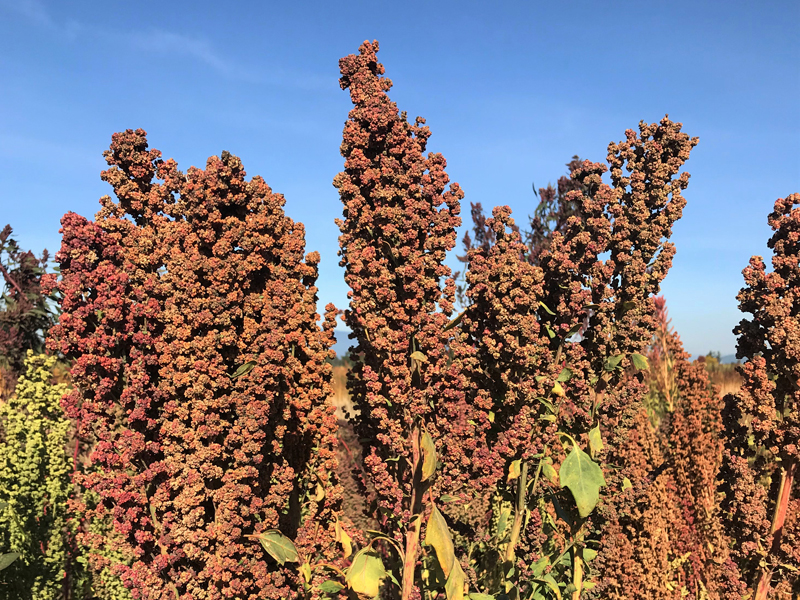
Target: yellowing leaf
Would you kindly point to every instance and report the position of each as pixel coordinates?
(305, 571)
(419, 356)
(343, 539)
(584, 478)
(595, 440)
(514, 470)
(428, 449)
(626, 484)
(437, 534)
(279, 547)
(319, 493)
(640, 362)
(456, 583)
(558, 390)
(365, 573)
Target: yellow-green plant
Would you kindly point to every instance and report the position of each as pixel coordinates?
(35, 483)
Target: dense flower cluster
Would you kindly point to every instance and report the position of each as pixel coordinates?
(399, 223)
(762, 501)
(35, 469)
(547, 344)
(200, 378)
(25, 314)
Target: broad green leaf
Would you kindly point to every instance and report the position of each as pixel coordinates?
(365, 573)
(612, 362)
(565, 375)
(595, 440)
(7, 559)
(279, 547)
(589, 554)
(330, 587)
(584, 478)
(540, 565)
(502, 522)
(244, 369)
(550, 582)
(640, 362)
(428, 449)
(475, 596)
(546, 308)
(558, 390)
(447, 498)
(514, 470)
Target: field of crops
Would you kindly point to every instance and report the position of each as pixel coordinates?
(175, 425)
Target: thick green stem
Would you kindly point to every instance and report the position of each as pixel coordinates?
(519, 512)
(778, 519)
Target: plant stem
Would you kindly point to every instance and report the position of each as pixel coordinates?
(520, 510)
(412, 535)
(778, 519)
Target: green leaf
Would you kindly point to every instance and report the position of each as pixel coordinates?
(640, 362)
(447, 498)
(550, 582)
(455, 321)
(589, 554)
(330, 587)
(550, 472)
(244, 369)
(595, 441)
(546, 308)
(475, 596)
(428, 449)
(565, 375)
(573, 330)
(626, 484)
(279, 547)
(491, 416)
(540, 565)
(612, 362)
(584, 478)
(7, 559)
(365, 573)
(550, 331)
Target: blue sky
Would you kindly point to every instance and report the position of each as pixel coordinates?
(511, 90)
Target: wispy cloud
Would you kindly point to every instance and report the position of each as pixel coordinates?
(156, 41)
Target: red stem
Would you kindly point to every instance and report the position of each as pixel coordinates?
(778, 520)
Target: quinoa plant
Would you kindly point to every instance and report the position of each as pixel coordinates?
(762, 421)
(35, 469)
(200, 378)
